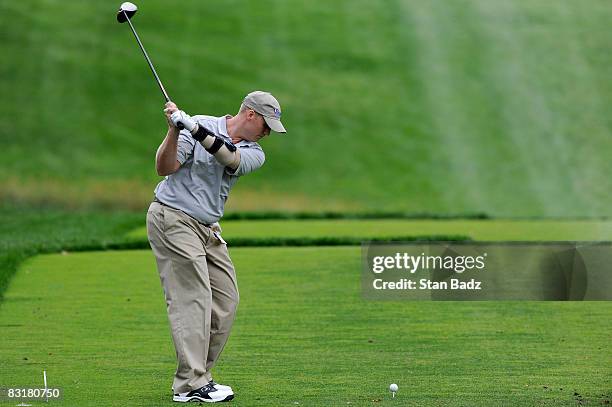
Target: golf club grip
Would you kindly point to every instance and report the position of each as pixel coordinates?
(178, 125)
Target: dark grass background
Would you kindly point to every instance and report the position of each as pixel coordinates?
(443, 107)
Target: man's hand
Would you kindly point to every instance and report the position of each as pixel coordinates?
(180, 117)
(170, 108)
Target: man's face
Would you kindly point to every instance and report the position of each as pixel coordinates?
(256, 126)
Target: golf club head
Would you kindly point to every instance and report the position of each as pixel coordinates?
(126, 11)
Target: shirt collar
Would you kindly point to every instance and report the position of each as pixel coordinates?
(222, 125)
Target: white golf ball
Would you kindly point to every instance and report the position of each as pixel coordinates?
(393, 387)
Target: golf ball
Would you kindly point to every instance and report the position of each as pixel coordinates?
(393, 387)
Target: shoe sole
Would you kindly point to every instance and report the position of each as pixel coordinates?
(218, 387)
(201, 400)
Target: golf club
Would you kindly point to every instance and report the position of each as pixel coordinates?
(125, 13)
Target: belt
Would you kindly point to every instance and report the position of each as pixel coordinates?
(161, 203)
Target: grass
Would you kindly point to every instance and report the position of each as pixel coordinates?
(446, 107)
(26, 231)
(486, 230)
(96, 323)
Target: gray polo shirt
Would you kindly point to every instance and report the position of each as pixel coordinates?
(201, 185)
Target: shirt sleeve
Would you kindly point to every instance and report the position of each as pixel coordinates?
(185, 146)
(251, 158)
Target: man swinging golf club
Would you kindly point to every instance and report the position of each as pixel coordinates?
(201, 164)
(201, 157)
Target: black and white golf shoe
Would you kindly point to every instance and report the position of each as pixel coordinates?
(219, 386)
(205, 394)
(215, 385)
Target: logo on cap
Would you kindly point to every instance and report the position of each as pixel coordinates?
(277, 113)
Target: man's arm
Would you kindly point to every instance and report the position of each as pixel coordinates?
(166, 162)
(224, 151)
(165, 159)
(251, 158)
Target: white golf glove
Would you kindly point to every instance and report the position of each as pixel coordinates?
(183, 118)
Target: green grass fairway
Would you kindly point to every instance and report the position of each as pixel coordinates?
(487, 230)
(304, 336)
(488, 106)
(25, 232)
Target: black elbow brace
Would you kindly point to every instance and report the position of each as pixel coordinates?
(218, 143)
(202, 133)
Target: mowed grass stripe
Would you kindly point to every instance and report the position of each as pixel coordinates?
(484, 230)
(96, 323)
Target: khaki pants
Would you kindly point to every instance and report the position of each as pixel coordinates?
(200, 287)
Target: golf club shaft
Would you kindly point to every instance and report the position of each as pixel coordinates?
(147, 58)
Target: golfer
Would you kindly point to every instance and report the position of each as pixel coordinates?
(201, 163)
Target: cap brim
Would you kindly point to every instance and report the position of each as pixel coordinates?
(275, 125)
